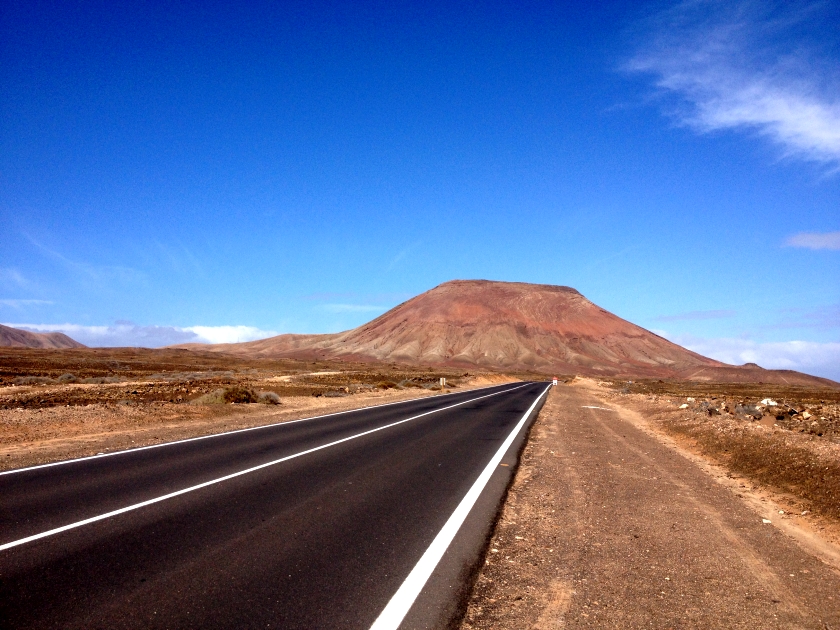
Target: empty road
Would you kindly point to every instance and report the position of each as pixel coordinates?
(368, 518)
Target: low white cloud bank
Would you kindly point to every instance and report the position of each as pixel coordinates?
(131, 335)
(747, 65)
(815, 240)
(229, 334)
(811, 357)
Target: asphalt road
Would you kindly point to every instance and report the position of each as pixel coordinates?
(306, 524)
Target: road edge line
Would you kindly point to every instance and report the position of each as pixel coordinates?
(401, 602)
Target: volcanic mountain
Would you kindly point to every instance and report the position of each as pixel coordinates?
(508, 326)
(16, 338)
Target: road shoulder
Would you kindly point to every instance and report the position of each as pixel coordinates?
(608, 524)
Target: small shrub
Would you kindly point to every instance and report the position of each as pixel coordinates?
(269, 398)
(216, 397)
(68, 378)
(33, 380)
(386, 384)
(239, 395)
(100, 380)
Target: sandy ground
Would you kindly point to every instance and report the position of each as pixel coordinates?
(612, 524)
(30, 436)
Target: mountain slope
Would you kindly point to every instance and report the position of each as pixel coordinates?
(16, 338)
(512, 326)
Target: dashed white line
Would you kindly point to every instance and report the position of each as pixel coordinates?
(215, 435)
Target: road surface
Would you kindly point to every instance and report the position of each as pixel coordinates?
(330, 522)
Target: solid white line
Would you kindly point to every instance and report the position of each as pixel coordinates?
(137, 506)
(594, 407)
(402, 601)
(214, 435)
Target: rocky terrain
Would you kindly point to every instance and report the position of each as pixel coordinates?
(38, 378)
(785, 438)
(59, 404)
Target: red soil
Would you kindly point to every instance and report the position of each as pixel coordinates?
(511, 326)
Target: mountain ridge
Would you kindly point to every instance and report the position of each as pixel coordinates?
(514, 326)
(17, 338)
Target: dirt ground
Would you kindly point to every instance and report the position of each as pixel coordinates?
(57, 405)
(611, 523)
(791, 449)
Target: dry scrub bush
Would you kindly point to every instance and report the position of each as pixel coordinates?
(33, 380)
(238, 395)
(269, 398)
(65, 379)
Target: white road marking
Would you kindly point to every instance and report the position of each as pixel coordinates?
(397, 608)
(214, 435)
(171, 495)
(594, 407)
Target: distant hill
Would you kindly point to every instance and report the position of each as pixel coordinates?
(16, 338)
(511, 326)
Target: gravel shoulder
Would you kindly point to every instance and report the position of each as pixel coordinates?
(610, 523)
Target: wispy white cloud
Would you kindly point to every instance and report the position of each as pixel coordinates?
(22, 303)
(815, 240)
(11, 276)
(821, 317)
(353, 308)
(747, 65)
(133, 335)
(96, 273)
(811, 357)
(695, 315)
(396, 260)
(180, 258)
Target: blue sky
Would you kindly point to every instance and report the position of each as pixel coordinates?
(191, 171)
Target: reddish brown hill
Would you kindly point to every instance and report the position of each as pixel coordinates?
(510, 326)
(16, 338)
